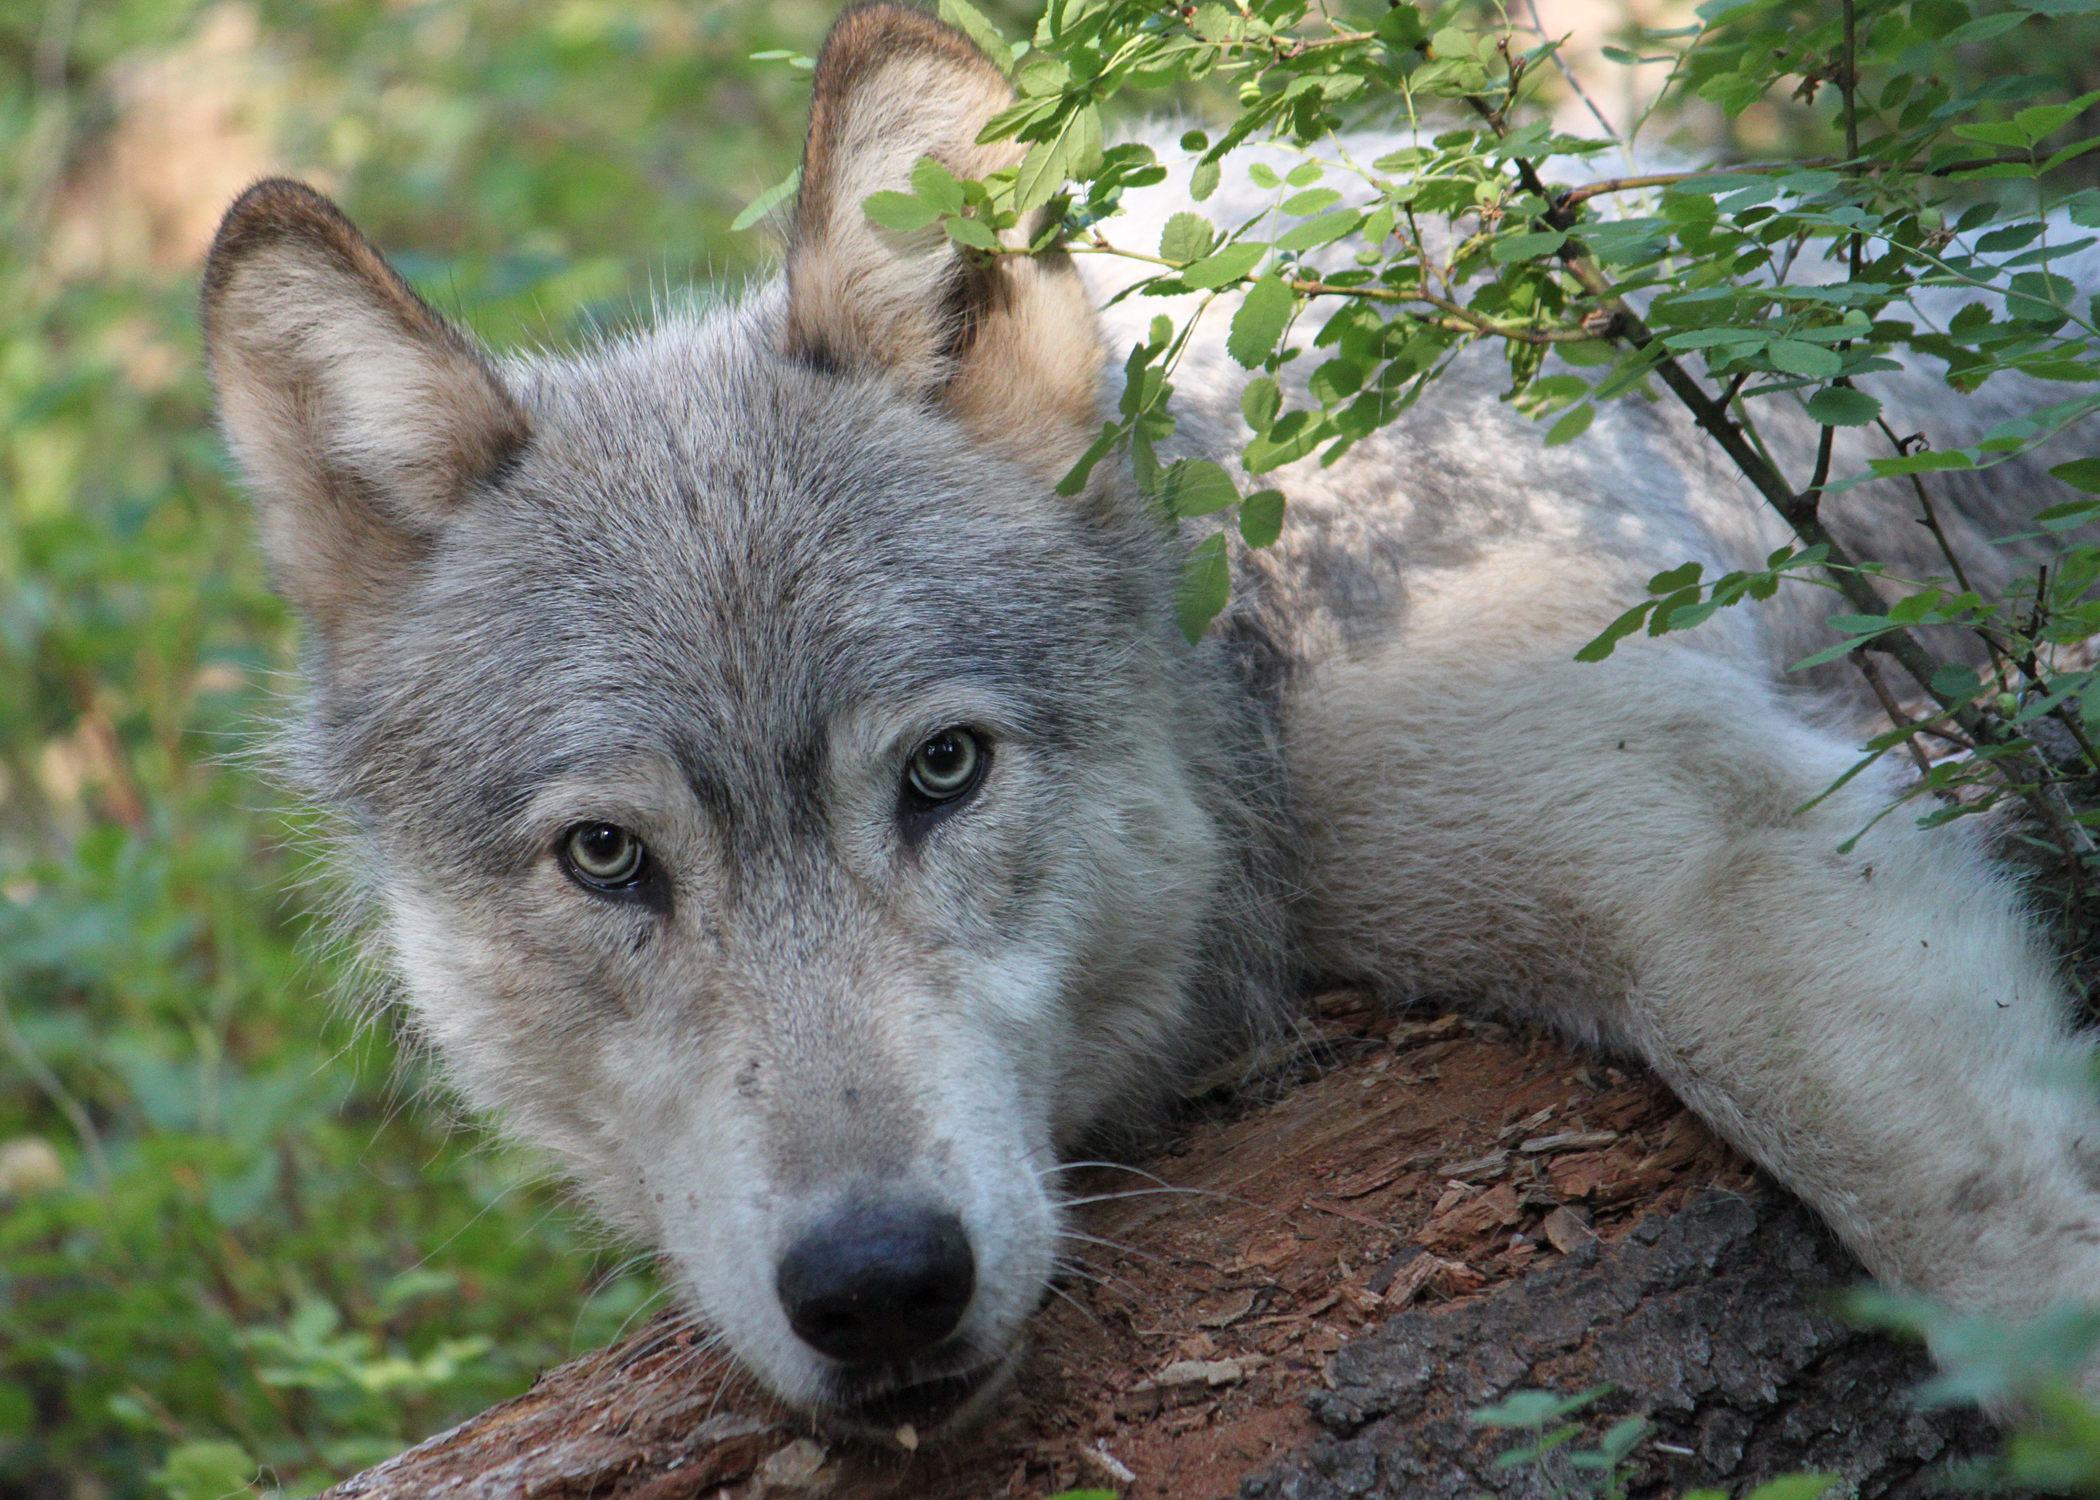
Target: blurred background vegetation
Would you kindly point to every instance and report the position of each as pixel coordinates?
(237, 1232)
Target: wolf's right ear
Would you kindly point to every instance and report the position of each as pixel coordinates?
(359, 416)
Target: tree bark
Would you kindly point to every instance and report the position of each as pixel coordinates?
(1337, 1271)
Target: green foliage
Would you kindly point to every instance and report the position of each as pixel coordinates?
(1605, 1471)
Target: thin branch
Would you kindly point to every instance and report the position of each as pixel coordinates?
(1591, 190)
(1864, 660)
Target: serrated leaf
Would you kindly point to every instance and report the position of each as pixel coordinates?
(1261, 518)
(1195, 487)
(1311, 201)
(972, 232)
(1835, 406)
(1572, 425)
(935, 185)
(1040, 75)
(1204, 180)
(2079, 474)
(1956, 681)
(1808, 360)
(1260, 321)
(1615, 632)
(1260, 402)
(1525, 246)
(1227, 265)
(1450, 43)
(1206, 587)
(1187, 237)
(767, 201)
(1324, 230)
(899, 211)
(1074, 151)
(970, 21)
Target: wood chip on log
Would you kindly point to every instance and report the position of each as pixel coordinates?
(1568, 1140)
(1567, 1230)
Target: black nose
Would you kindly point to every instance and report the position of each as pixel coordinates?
(878, 1282)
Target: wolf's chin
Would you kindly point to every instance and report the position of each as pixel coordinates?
(875, 1404)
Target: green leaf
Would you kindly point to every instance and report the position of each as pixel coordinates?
(1260, 402)
(1195, 487)
(1311, 201)
(1206, 587)
(1227, 265)
(1451, 43)
(970, 21)
(1737, 340)
(1572, 425)
(1616, 631)
(1985, 27)
(1324, 230)
(1835, 406)
(1996, 133)
(767, 201)
(1204, 180)
(972, 232)
(935, 185)
(2079, 474)
(1526, 246)
(206, 1471)
(1534, 1408)
(1074, 151)
(1956, 681)
(1041, 74)
(1187, 237)
(1793, 1487)
(1261, 518)
(899, 211)
(1810, 360)
(1260, 321)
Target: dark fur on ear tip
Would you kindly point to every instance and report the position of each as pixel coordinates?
(282, 210)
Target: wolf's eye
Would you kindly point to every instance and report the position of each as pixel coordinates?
(947, 765)
(604, 856)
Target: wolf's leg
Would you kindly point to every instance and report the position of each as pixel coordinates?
(1616, 849)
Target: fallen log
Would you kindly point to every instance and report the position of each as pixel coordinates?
(1304, 1295)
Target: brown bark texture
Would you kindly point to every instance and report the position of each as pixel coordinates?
(1304, 1296)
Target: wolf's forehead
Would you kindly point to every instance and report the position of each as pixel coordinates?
(713, 559)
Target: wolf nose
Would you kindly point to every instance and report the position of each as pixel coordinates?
(878, 1282)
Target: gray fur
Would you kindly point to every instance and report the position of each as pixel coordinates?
(720, 589)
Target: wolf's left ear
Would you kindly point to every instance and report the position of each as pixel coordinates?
(1010, 349)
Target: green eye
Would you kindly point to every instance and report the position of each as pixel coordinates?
(947, 765)
(604, 856)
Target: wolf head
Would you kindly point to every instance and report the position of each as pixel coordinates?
(775, 800)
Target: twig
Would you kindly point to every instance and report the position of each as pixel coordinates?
(61, 1097)
(1591, 190)
(1864, 660)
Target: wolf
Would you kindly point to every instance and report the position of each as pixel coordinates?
(782, 806)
